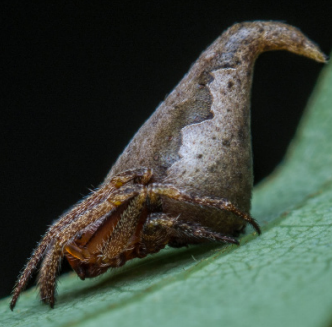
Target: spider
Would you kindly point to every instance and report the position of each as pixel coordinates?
(122, 220)
(196, 144)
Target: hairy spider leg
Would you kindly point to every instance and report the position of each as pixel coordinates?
(161, 230)
(160, 225)
(174, 193)
(124, 229)
(90, 202)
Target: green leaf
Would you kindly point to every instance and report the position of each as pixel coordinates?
(282, 278)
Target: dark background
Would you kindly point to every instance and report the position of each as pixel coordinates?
(78, 78)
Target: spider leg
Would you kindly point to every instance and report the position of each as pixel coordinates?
(79, 210)
(125, 229)
(161, 229)
(48, 273)
(179, 195)
(193, 230)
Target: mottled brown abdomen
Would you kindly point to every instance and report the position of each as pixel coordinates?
(199, 138)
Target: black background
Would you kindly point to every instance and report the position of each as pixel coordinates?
(78, 78)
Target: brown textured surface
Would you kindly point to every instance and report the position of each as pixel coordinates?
(199, 137)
